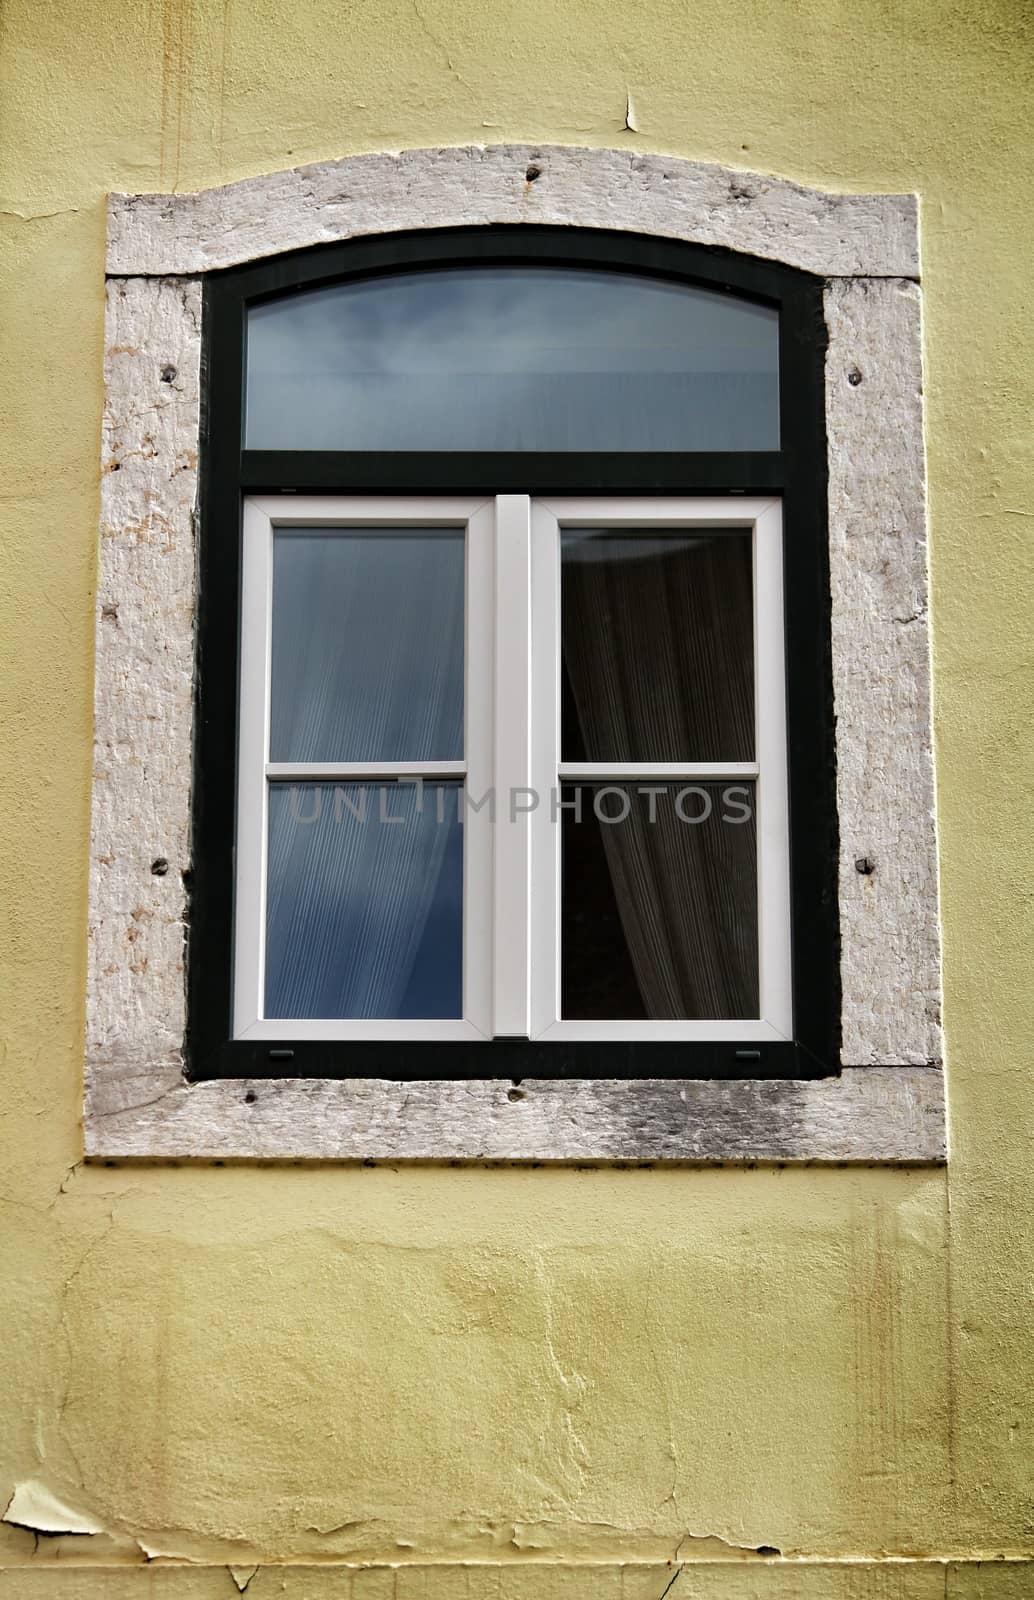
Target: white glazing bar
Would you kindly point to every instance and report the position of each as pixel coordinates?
(775, 956)
(363, 771)
(545, 753)
(250, 884)
(514, 798)
(700, 771)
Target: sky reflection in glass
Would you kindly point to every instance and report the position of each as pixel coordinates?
(365, 901)
(512, 358)
(367, 645)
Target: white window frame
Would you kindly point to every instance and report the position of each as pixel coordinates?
(262, 517)
(511, 879)
(763, 517)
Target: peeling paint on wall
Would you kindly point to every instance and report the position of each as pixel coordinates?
(40, 1510)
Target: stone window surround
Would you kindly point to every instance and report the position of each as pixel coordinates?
(888, 1103)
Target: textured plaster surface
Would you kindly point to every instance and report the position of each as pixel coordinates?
(555, 1371)
(890, 935)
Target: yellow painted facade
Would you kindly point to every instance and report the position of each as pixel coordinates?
(573, 1380)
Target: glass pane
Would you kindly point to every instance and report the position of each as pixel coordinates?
(367, 645)
(512, 358)
(659, 897)
(658, 646)
(364, 915)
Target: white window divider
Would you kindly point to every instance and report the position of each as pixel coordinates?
(514, 795)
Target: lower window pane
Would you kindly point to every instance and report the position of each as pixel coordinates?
(364, 914)
(659, 917)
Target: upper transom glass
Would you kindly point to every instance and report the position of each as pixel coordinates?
(512, 358)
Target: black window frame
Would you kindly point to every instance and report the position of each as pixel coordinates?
(796, 474)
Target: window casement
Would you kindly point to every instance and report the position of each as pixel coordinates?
(250, 381)
(479, 883)
(504, 789)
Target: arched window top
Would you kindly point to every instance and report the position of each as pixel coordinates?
(504, 356)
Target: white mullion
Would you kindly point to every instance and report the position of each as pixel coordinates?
(478, 832)
(545, 769)
(364, 771)
(252, 751)
(771, 805)
(512, 680)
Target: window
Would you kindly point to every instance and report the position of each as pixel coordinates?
(511, 766)
(838, 274)
(436, 839)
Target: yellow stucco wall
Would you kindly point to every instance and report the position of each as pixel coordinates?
(614, 1370)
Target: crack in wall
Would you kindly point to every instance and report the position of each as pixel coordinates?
(443, 49)
(571, 1387)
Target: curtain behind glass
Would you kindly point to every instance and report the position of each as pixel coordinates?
(659, 909)
(658, 662)
(657, 638)
(364, 894)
